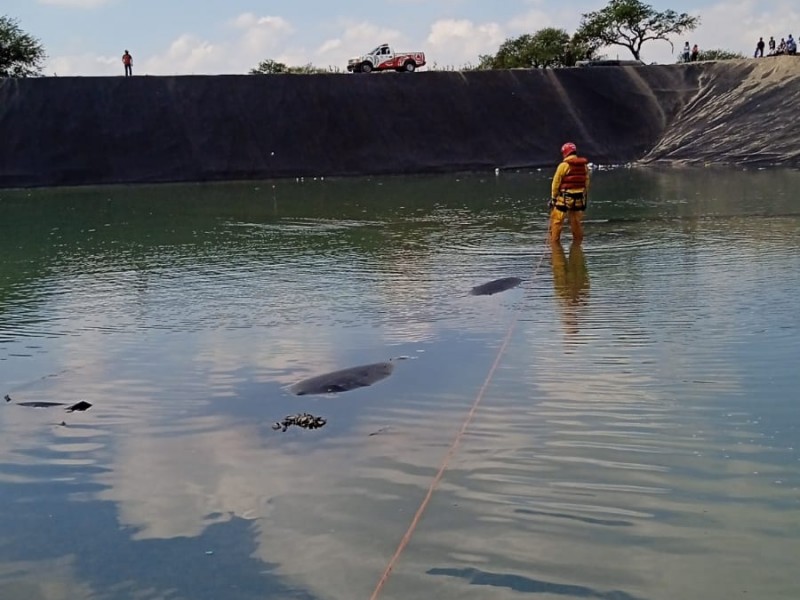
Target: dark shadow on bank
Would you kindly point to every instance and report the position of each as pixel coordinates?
(526, 585)
(571, 285)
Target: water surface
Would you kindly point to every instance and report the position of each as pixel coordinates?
(637, 440)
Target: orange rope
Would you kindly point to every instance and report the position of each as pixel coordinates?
(450, 453)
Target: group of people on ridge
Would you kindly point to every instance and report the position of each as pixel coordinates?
(787, 46)
(690, 55)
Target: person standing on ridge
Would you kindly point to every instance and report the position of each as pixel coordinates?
(759, 48)
(127, 60)
(771, 45)
(569, 193)
(695, 52)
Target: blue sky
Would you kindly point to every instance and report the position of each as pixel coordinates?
(87, 37)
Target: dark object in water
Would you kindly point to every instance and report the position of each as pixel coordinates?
(7, 398)
(80, 406)
(304, 420)
(496, 286)
(344, 380)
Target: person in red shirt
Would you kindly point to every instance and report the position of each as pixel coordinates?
(127, 60)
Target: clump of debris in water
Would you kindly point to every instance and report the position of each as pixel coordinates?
(303, 420)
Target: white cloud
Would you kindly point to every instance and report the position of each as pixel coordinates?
(76, 3)
(83, 64)
(271, 26)
(531, 21)
(329, 46)
(250, 38)
(456, 42)
(187, 54)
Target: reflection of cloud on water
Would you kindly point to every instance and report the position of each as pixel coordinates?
(22, 580)
(167, 486)
(329, 511)
(574, 446)
(282, 357)
(326, 511)
(600, 442)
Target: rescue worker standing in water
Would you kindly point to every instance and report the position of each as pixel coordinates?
(568, 194)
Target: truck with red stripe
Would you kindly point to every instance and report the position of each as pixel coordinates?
(383, 58)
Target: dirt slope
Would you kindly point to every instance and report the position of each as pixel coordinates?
(743, 112)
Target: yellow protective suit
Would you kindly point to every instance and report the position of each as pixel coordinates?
(564, 206)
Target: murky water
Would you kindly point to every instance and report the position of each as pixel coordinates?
(639, 437)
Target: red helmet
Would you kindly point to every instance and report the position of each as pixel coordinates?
(568, 148)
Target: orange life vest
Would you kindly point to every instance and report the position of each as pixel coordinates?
(576, 177)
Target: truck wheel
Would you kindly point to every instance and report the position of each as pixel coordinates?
(410, 66)
(366, 68)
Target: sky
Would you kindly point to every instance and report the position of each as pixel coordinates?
(167, 37)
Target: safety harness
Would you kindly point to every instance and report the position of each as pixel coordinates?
(572, 194)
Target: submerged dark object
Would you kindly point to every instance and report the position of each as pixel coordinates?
(495, 286)
(7, 398)
(344, 380)
(304, 420)
(80, 406)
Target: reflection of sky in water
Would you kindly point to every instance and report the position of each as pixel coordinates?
(637, 441)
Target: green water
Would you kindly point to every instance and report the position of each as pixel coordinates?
(638, 438)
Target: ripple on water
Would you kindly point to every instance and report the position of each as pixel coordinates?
(636, 439)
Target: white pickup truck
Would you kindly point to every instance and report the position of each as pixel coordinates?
(383, 58)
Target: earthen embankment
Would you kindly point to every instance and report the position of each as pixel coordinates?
(83, 130)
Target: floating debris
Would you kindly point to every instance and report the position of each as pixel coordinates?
(80, 406)
(40, 404)
(495, 286)
(344, 380)
(304, 420)
(7, 398)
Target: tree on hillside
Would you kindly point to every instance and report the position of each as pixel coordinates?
(21, 55)
(631, 23)
(514, 53)
(719, 54)
(580, 48)
(548, 47)
(271, 67)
